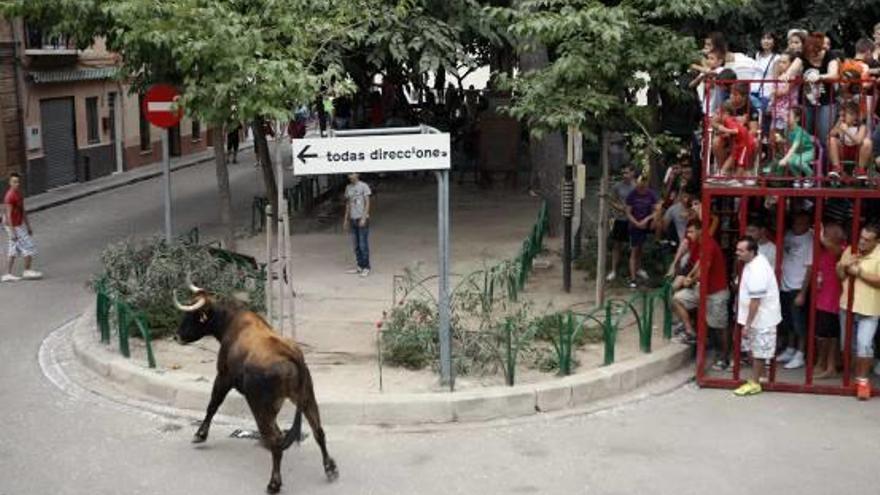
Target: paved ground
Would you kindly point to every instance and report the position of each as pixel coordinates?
(688, 441)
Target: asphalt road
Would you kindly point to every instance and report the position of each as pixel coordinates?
(688, 441)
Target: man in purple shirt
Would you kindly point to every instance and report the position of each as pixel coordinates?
(640, 208)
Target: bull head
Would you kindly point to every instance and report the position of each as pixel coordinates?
(196, 322)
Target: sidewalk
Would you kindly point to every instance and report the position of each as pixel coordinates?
(72, 192)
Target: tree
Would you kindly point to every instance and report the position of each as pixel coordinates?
(234, 60)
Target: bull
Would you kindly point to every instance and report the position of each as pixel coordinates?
(259, 364)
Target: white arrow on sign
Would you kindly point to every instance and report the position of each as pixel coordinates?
(317, 156)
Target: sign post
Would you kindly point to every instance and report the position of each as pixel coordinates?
(162, 109)
(393, 150)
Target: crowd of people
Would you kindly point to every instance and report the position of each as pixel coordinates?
(806, 112)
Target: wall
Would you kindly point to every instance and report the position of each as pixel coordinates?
(11, 147)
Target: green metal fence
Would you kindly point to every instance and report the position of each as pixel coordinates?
(126, 317)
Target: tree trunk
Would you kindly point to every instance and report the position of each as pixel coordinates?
(547, 153)
(262, 147)
(224, 195)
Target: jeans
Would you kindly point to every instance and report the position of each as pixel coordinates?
(819, 121)
(863, 337)
(794, 317)
(360, 238)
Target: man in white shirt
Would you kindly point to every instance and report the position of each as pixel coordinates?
(797, 263)
(758, 311)
(757, 230)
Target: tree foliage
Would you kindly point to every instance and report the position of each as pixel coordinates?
(602, 53)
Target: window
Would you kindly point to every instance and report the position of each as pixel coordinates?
(196, 130)
(92, 119)
(146, 144)
(111, 103)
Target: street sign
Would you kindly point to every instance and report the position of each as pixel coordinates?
(161, 106)
(317, 156)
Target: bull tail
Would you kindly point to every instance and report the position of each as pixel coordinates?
(295, 434)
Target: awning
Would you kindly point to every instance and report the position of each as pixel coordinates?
(72, 75)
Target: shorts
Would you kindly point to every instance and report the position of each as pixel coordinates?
(620, 231)
(716, 306)
(744, 156)
(827, 325)
(863, 338)
(849, 153)
(762, 342)
(637, 237)
(23, 245)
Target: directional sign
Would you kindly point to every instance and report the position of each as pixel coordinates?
(318, 156)
(161, 106)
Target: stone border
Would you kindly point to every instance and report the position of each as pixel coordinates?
(190, 392)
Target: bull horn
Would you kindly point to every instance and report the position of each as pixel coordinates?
(190, 308)
(192, 287)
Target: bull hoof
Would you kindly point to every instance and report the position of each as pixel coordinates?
(331, 471)
(273, 487)
(200, 437)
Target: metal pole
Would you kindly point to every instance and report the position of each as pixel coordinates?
(279, 226)
(166, 183)
(269, 284)
(603, 221)
(446, 377)
(289, 273)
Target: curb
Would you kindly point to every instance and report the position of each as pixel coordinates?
(191, 392)
(127, 181)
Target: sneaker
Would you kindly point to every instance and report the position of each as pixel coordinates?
(807, 184)
(687, 338)
(796, 361)
(834, 175)
(633, 285)
(365, 273)
(749, 182)
(786, 355)
(796, 184)
(678, 329)
(720, 365)
(863, 388)
(353, 271)
(860, 174)
(9, 278)
(31, 275)
(610, 277)
(642, 274)
(748, 388)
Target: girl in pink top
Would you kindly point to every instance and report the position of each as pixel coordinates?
(828, 290)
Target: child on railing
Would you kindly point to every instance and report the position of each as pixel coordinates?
(783, 97)
(849, 141)
(801, 152)
(742, 142)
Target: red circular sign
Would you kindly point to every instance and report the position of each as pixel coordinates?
(161, 106)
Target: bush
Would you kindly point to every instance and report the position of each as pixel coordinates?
(409, 338)
(145, 274)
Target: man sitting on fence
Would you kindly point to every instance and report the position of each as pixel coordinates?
(687, 298)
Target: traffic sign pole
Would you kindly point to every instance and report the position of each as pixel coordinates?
(166, 183)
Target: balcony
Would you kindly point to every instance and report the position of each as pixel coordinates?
(42, 42)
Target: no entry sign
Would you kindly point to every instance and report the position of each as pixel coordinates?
(371, 154)
(161, 106)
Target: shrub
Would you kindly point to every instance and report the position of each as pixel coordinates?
(409, 337)
(145, 273)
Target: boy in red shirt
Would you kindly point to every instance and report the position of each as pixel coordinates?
(18, 228)
(742, 142)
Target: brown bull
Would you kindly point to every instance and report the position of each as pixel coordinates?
(262, 366)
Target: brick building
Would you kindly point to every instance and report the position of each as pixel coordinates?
(66, 118)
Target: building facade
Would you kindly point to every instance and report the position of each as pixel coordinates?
(67, 118)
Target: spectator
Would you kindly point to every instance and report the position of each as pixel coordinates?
(640, 208)
(820, 71)
(342, 113)
(783, 96)
(758, 311)
(711, 259)
(765, 59)
(677, 215)
(850, 142)
(876, 53)
(757, 230)
(233, 140)
(19, 231)
(742, 143)
(620, 228)
(828, 291)
(796, 39)
(801, 151)
(861, 268)
(796, 267)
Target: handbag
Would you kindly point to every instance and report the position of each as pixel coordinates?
(765, 101)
